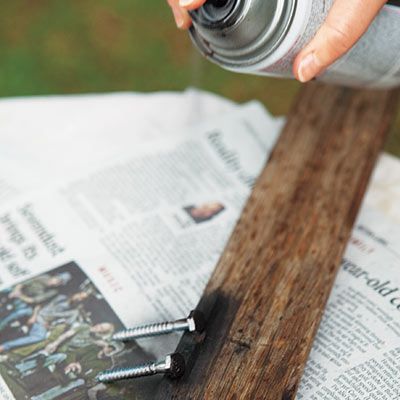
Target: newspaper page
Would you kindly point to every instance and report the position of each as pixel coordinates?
(51, 139)
(367, 290)
(356, 353)
(135, 241)
(384, 191)
(130, 243)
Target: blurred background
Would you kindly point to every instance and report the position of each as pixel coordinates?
(80, 46)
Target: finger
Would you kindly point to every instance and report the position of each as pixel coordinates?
(182, 17)
(191, 4)
(347, 21)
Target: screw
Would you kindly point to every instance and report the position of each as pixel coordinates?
(195, 322)
(173, 367)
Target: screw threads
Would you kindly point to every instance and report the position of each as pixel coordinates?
(119, 374)
(148, 331)
(173, 366)
(195, 322)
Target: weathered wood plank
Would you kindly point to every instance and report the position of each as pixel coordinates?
(268, 292)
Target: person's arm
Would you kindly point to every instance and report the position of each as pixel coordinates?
(16, 292)
(34, 316)
(52, 346)
(40, 298)
(347, 21)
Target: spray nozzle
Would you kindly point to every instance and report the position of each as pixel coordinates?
(214, 12)
(218, 3)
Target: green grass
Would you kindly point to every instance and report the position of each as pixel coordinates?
(79, 46)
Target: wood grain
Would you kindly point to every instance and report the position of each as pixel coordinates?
(267, 295)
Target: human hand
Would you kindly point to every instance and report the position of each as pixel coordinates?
(347, 21)
(74, 367)
(180, 10)
(15, 293)
(50, 348)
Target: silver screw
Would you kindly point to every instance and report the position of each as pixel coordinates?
(173, 366)
(195, 322)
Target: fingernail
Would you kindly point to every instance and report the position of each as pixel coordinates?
(185, 3)
(308, 68)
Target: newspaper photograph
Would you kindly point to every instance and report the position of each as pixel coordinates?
(56, 333)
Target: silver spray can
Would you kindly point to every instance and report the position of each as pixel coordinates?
(263, 37)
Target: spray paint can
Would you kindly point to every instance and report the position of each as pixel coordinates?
(263, 37)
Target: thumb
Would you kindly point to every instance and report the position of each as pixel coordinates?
(346, 22)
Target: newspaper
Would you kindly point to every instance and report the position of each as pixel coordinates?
(131, 240)
(356, 354)
(128, 243)
(45, 140)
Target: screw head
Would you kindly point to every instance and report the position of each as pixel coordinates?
(175, 365)
(197, 321)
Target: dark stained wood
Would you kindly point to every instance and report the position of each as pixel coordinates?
(267, 295)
